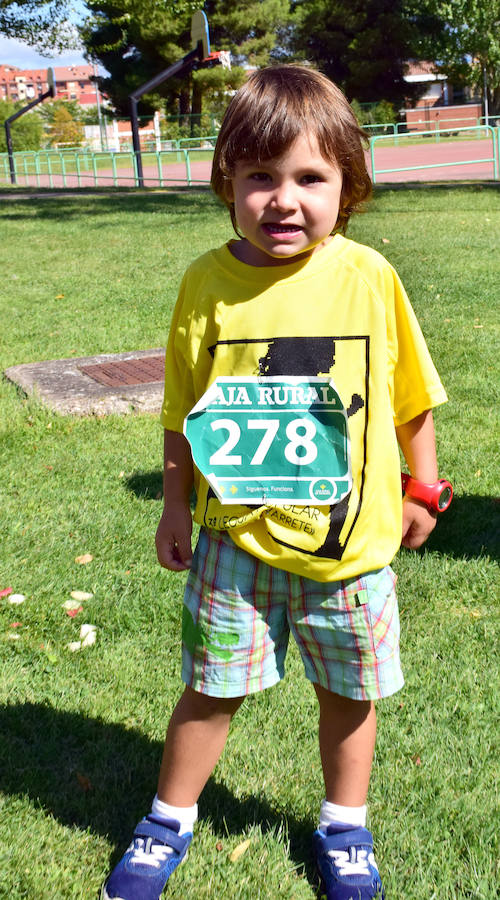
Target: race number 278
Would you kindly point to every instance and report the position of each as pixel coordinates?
(300, 433)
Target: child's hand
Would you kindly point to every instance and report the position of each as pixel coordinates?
(173, 537)
(418, 522)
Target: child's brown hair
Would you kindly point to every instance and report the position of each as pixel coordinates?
(274, 107)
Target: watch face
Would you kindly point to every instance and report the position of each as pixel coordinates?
(444, 498)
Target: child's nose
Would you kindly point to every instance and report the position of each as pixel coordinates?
(283, 197)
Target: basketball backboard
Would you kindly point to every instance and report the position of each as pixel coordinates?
(199, 31)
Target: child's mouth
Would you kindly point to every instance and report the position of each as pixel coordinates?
(272, 228)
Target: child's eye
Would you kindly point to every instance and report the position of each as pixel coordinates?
(311, 179)
(259, 176)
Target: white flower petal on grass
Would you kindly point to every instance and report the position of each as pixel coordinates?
(74, 646)
(88, 635)
(70, 604)
(17, 598)
(13, 636)
(81, 595)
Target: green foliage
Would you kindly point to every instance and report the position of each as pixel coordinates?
(375, 113)
(465, 40)
(64, 129)
(250, 29)
(50, 108)
(41, 23)
(362, 45)
(26, 132)
(135, 41)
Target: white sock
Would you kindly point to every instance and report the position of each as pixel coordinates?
(186, 815)
(349, 815)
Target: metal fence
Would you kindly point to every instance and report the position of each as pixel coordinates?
(481, 131)
(187, 162)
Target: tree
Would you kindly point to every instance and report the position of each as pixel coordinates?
(43, 24)
(362, 45)
(250, 29)
(27, 131)
(465, 42)
(136, 39)
(64, 129)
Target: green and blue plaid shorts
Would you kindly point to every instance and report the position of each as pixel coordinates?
(239, 612)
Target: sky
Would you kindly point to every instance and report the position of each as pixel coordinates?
(24, 57)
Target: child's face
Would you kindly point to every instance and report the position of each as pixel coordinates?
(287, 207)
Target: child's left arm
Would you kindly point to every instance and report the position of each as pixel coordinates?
(417, 441)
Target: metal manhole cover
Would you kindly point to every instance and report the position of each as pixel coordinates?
(146, 370)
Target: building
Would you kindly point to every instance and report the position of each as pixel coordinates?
(73, 83)
(442, 104)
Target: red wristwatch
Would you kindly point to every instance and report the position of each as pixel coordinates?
(437, 496)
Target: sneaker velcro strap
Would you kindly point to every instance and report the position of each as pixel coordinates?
(161, 834)
(355, 837)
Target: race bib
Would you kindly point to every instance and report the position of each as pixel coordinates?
(272, 440)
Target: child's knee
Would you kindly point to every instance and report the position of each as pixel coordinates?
(204, 706)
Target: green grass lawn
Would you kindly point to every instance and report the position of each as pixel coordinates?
(82, 733)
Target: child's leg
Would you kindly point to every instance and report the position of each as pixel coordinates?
(195, 739)
(347, 731)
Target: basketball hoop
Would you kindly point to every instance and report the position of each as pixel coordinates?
(218, 57)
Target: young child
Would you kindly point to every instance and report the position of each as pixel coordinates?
(292, 298)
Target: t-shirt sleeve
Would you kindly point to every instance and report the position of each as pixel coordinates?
(178, 397)
(414, 383)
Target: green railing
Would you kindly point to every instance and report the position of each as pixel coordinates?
(83, 168)
(486, 129)
(80, 167)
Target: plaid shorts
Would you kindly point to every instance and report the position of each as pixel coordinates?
(238, 614)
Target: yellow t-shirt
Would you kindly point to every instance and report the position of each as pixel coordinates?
(342, 312)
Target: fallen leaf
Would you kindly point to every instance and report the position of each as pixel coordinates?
(17, 599)
(16, 624)
(59, 297)
(85, 558)
(477, 474)
(74, 611)
(84, 782)
(239, 850)
(5, 592)
(81, 595)
(417, 760)
(219, 846)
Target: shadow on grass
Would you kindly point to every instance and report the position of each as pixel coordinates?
(92, 774)
(57, 207)
(470, 528)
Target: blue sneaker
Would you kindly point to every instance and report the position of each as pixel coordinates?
(345, 860)
(142, 873)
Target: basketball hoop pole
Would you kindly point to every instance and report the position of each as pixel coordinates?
(181, 67)
(198, 56)
(8, 137)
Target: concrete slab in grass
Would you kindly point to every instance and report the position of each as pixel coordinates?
(96, 385)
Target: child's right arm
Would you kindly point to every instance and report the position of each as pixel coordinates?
(173, 535)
